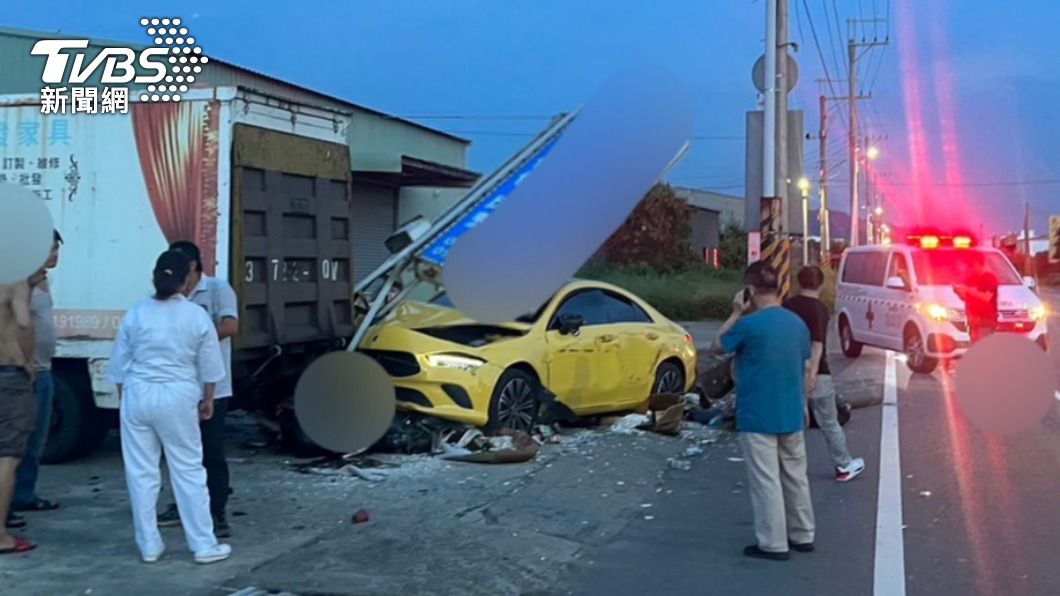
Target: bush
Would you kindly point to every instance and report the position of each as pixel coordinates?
(690, 293)
(733, 247)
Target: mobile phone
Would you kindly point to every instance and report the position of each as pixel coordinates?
(746, 295)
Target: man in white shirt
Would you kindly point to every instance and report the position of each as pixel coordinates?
(218, 298)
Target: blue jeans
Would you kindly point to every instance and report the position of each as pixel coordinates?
(29, 467)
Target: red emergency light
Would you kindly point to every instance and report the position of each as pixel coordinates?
(932, 240)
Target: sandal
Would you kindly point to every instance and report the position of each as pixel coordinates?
(21, 546)
(38, 505)
(14, 522)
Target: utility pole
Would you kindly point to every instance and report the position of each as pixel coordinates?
(852, 73)
(870, 223)
(822, 214)
(769, 236)
(782, 173)
(852, 139)
(1027, 238)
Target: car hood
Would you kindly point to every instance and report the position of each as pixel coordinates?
(447, 324)
(1010, 297)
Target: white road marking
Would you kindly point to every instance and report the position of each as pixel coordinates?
(889, 569)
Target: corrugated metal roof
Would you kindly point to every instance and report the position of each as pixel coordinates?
(12, 63)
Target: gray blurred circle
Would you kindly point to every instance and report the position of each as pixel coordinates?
(1005, 384)
(25, 233)
(344, 401)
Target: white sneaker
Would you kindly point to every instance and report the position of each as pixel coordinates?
(153, 557)
(851, 471)
(218, 552)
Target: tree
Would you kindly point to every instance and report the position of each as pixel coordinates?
(733, 247)
(657, 234)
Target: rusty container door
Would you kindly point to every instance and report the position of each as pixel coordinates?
(290, 240)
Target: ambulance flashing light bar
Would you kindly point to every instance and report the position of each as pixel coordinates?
(934, 240)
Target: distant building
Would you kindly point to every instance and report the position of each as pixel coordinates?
(730, 208)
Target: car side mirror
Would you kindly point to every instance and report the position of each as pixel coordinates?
(571, 324)
(896, 283)
(1029, 281)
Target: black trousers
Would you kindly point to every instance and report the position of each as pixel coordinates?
(213, 457)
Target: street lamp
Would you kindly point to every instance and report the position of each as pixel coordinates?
(872, 153)
(804, 186)
(879, 211)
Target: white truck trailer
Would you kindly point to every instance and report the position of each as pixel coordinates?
(261, 184)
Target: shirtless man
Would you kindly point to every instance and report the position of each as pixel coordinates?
(18, 404)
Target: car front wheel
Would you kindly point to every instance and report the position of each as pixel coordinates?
(516, 403)
(916, 354)
(851, 347)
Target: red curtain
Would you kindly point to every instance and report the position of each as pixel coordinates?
(177, 146)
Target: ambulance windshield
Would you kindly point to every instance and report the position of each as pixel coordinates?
(949, 267)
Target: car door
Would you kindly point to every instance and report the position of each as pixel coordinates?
(854, 294)
(872, 278)
(640, 342)
(900, 303)
(584, 370)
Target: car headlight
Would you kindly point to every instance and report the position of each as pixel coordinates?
(457, 361)
(1037, 313)
(939, 312)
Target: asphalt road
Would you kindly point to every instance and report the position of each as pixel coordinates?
(960, 510)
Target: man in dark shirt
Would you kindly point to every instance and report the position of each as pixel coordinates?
(979, 293)
(820, 387)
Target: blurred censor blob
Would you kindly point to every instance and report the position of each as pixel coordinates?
(1005, 384)
(617, 147)
(344, 401)
(26, 233)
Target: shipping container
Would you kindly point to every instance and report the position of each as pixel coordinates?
(262, 185)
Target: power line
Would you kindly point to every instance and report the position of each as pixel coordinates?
(510, 133)
(820, 54)
(831, 41)
(1041, 182)
(479, 118)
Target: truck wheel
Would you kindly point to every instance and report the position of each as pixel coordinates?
(851, 347)
(917, 358)
(77, 428)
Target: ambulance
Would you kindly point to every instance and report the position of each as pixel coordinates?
(901, 297)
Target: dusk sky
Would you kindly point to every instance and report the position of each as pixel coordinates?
(964, 94)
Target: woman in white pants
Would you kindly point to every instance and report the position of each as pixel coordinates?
(165, 363)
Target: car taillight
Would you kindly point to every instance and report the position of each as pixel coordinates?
(689, 339)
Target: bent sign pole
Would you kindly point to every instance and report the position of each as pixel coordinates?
(431, 248)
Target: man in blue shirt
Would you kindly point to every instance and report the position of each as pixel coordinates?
(772, 353)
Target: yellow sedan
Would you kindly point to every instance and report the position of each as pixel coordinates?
(595, 346)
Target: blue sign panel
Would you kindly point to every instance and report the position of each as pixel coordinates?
(437, 251)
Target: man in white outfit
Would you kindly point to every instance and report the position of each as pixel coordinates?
(166, 362)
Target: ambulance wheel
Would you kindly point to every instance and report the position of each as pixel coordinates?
(916, 356)
(851, 347)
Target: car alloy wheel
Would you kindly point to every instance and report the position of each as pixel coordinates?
(516, 405)
(669, 381)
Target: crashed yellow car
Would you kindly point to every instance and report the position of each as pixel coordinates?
(594, 346)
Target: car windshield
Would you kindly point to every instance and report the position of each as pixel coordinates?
(950, 267)
(442, 299)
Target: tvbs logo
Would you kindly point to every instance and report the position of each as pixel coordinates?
(119, 64)
(168, 69)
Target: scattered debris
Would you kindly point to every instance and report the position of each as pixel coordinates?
(925, 493)
(680, 464)
(736, 459)
(474, 447)
(649, 517)
(693, 451)
(361, 517)
(629, 424)
(646, 505)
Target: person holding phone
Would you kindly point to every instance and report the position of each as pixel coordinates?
(166, 364)
(773, 365)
